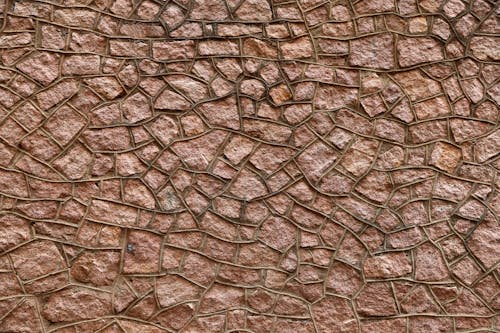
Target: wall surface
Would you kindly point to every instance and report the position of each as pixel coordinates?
(199, 166)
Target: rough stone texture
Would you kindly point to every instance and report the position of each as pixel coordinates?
(257, 166)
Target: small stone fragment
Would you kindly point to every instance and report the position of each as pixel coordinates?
(390, 265)
(142, 252)
(418, 50)
(76, 303)
(373, 52)
(445, 157)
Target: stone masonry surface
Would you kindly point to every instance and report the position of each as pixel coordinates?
(250, 166)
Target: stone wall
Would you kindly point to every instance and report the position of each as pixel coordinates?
(253, 166)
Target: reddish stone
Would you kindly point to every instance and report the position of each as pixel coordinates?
(376, 299)
(373, 51)
(76, 303)
(384, 325)
(81, 65)
(177, 316)
(173, 289)
(221, 297)
(23, 318)
(334, 313)
(199, 152)
(36, 259)
(136, 108)
(173, 50)
(267, 131)
(394, 264)
(60, 91)
(421, 324)
(169, 100)
(142, 252)
(269, 158)
(299, 48)
(429, 264)
(74, 163)
(277, 233)
(418, 50)
(98, 268)
(222, 113)
(308, 160)
(13, 231)
(343, 279)
(375, 186)
(482, 242)
(254, 10)
(445, 157)
(43, 67)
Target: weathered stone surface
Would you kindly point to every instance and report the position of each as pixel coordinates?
(308, 160)
(375, 186)
(106, 86)
(394, 264)
(112, 138)
(173, 50)
(221, 297)
(344, 279)
(13, 231)
(209, 10)
(418, 50)
(417, 85)
(42, 67)
(487, 146)
(445, 156)
(56, 93)
(483, 242)
(237, 149)
(195, 153)
(36, 259)
(299, 48)
(278, 233)
(254, 10)
(172, 289)
(218, 48)
(99, 268)
(76, 303)
(249, 166)
(373, 52)
(23, 318)
(429, 263)
(81, 65)
(269, 158)
(267, 131)
(373, 6)
(485, 48)
(333, 97)
(136, 108)
(170, 100)
(259, 48)
(64, 124)
(142, 252)
(334, 313)
(248, 185)
(384, 325)
(376, 300)
(75, 163)
(280, 94)
(112, 212)
(390, 130)
(222, 113)
(432, 108)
